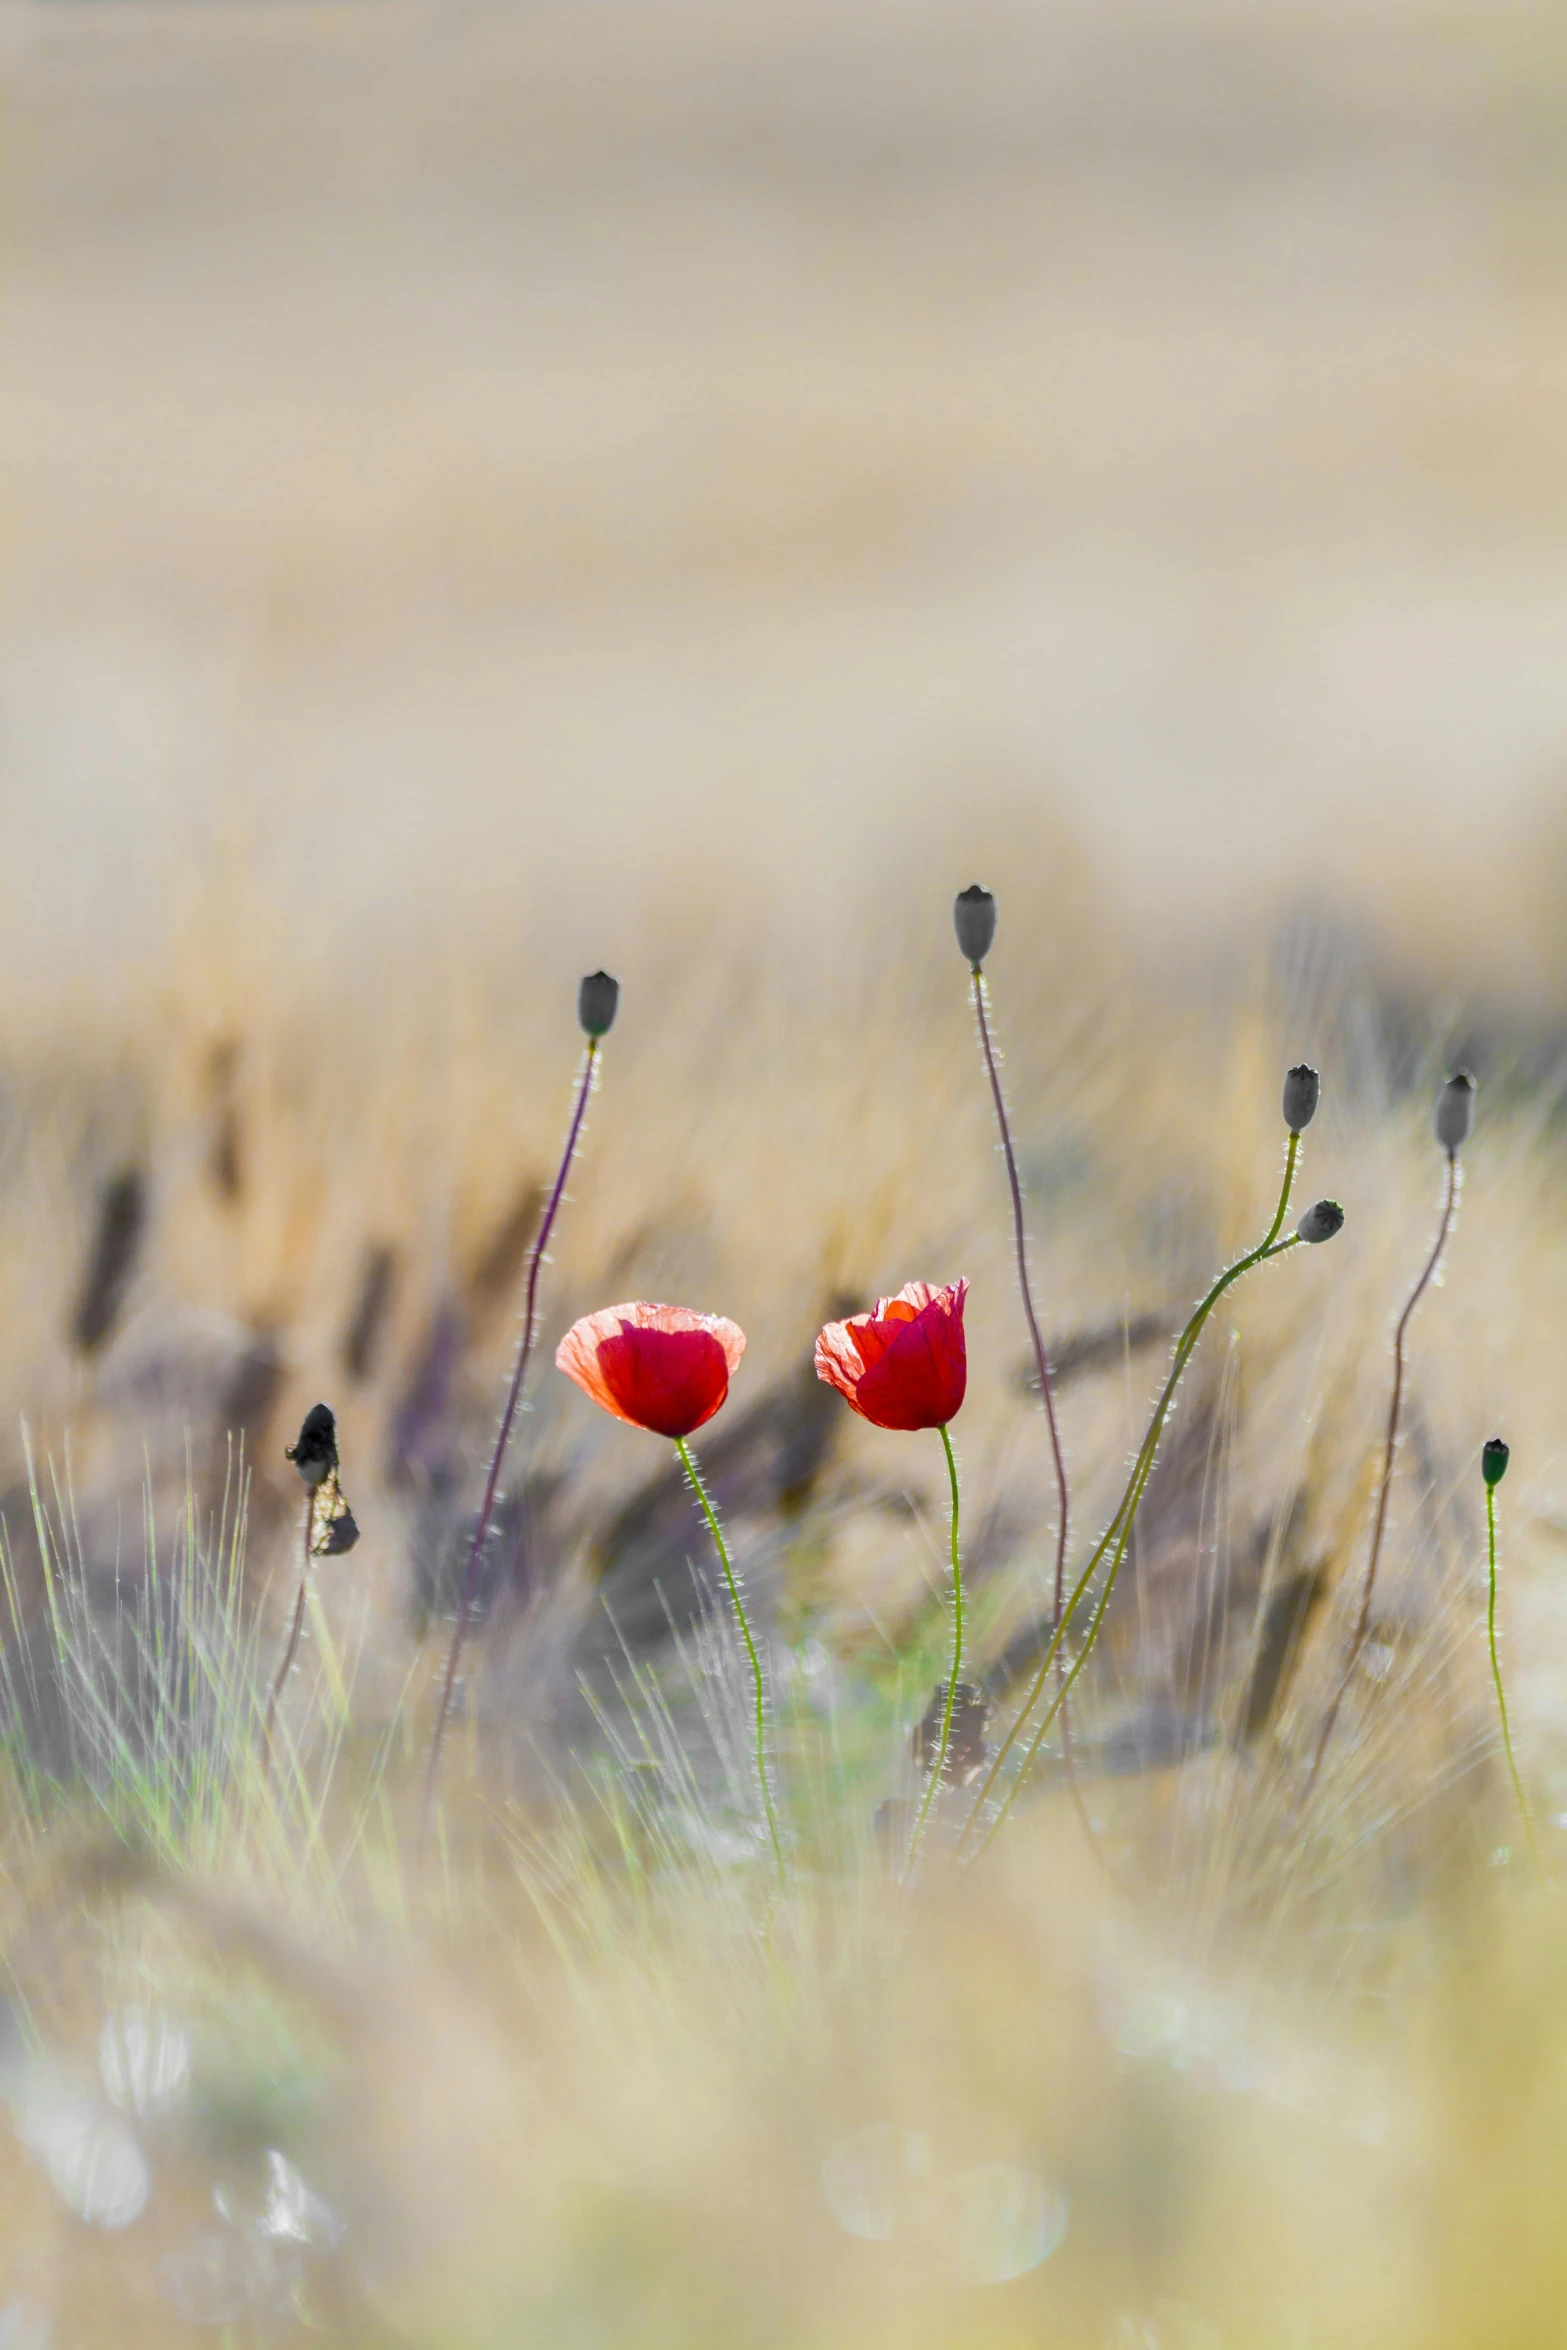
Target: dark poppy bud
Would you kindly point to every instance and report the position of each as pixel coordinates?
(1321, 1222)
(1302, 1090)
(1455, 1112)
(974, 920)
(314, 1453)
(1494, 1460)
(598, 1000)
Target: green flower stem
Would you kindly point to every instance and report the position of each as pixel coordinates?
(1496, 1675)
(938, 1769)
(1119, 1529)
(694, 1480)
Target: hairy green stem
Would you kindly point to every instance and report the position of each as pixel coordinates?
(1119, 1529)
(1496, 1675)
(938, 1768)
(694, 1480)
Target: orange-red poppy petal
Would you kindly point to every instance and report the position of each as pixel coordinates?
(664, 1368)
(905, 1365)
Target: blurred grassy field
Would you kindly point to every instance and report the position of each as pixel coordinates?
(490, 492)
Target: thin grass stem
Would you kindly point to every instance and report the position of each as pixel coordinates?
(694, 1480)
(296, 1627)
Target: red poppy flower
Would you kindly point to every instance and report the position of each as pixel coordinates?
(658, 1367)
(905, 1365)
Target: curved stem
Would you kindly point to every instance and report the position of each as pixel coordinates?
(1121, 1523)
(939, 1767)
(1385, 1486)
(1041, 1367)
(295, 1628)
(694, 1479)
(1020, 1245)
(470, 1581)
(1496, 1675)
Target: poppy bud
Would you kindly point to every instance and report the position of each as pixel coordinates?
(1494, 1460)
(974, 920)
(314, 1453)
(598, 1000)
(1302, 1089)
(1321, 1222)
(1455, 1112)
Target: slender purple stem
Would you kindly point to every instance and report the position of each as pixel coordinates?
(1041, 1367)
(1390, 1448)
(1020, 1242)
(470, 1581)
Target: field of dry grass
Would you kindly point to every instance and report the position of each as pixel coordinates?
(493, 492)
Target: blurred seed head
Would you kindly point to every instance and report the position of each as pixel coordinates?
(1321, 1222)
(1302, 1091)
(314, 1452)
(974, 920)
(362, 1338)
(117, 1240)
(1494, 1459)
(966, 1740)
(598, 1000)
(226, 1156)
(1455, 1112)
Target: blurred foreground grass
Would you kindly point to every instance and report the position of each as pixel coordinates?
(491, 492)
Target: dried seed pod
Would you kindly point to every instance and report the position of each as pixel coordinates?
(1455, 1112)
(340, 1532)
(1494, 1459)
(974, 920)
(1302, 1091)
(598, 1000)
(1322, 1222)
(314, 1451)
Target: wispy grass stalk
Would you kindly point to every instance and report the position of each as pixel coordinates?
(295, 1629)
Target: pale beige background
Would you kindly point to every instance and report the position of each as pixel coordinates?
(439, 445)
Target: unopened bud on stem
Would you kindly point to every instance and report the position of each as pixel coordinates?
(598, 1000)
(974, 920)
(1494, 1460)
(1321, 1222)
(1302, 1090)
(1455, 1112)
